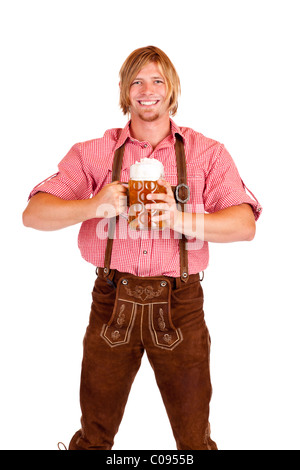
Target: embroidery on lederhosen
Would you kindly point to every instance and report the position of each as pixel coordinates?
(118, 330)
(115, 335)
(163, 332)
(161, 322)
(143, 293)
(121, 316)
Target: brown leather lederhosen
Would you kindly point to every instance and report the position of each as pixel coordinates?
(160, 315)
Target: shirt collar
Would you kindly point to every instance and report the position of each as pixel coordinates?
(125, 133)
(176, 130)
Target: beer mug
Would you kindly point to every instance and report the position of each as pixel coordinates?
(143, 181)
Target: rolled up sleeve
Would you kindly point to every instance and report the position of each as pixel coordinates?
(72, 181)
(224, 187)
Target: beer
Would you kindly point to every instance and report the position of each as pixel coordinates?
(143, 181)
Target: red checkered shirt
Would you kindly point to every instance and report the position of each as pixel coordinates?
(212, 177)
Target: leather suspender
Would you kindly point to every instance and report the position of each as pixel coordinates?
(116, 171)
(181, 193)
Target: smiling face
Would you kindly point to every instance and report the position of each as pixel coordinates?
(148, 94)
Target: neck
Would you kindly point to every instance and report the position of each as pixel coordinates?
(154, 132)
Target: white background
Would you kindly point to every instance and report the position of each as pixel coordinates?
(238, 63)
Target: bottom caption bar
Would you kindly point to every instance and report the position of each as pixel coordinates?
(150, 458)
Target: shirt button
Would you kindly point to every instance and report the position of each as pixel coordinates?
(145, 252)
(145, 146)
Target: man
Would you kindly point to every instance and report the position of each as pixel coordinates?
(147, 295)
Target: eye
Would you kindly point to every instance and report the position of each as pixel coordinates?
(159, 81)
(136, 82)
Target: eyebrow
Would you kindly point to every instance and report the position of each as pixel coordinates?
(153, 78)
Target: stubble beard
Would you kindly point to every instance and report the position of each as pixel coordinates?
(150, 118)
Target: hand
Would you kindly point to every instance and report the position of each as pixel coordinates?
(171, 214)
(110, 201)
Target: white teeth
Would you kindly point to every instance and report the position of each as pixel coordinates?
(148, 103)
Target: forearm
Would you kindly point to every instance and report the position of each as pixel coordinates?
(233, 224)
(48, 212)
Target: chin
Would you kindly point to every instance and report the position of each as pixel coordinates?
(150, 118)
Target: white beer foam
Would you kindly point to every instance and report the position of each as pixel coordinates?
(147, 169)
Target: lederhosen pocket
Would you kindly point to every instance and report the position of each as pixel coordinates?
(117, 331)
(164, 334)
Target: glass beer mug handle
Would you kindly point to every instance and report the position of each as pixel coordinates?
(127, 191)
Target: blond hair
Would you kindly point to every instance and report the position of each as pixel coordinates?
(139, 59)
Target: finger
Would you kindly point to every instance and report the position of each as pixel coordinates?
(123, 183)
(158, 207)
(158, 218)
(167, 199)
(157, 196)
(121, 188)
(166, 184)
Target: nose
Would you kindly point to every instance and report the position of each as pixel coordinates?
(148, 88)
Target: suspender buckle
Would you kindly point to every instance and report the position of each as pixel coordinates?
(179, 199)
